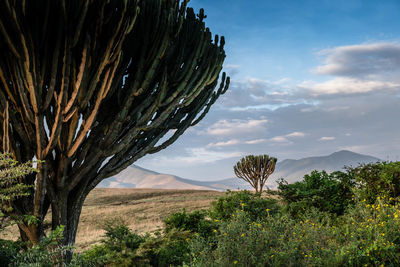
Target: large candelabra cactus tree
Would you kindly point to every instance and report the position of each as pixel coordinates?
(88, 87)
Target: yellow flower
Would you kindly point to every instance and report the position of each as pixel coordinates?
(215, 231)
(235, 262)
(383, 234)
(242, 235)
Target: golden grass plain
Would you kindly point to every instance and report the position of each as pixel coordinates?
(143, 210)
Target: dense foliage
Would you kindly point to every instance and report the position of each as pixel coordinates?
(366, 235)
(11, 187)
(327, 192)
(377, 180)
(255, 205)
(321, 221)
(194, 222)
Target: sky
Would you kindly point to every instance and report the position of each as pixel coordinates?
(308, 78)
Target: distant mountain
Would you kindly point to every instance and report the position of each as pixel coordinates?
(137, 177)
(292, 170)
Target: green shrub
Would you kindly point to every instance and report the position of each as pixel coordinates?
(98, 255)
(366, 235)
(166, 249)
(238, 241)
(11, 187)
(8, 250)
(377, 180)
(194, 222)
(256, 206)
(117, 248)
(121, 247)
(327, 192)
(48, 252)
(119, 237)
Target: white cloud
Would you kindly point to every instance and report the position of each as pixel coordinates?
(256, 141)
(358, 69)
(361, 60)
(232, 69)
(327, 138)
(222, 144)
(271, 107)
(336, 108)
(348, 86)
(279, 139)
(296, 134)
(282, 81)
(236, 126)
(231, 66)
(201, 155)
(254, 93)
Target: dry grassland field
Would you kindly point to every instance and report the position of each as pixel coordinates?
(142, 209)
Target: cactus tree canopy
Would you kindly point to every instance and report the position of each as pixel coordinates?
(255, 170)
(88, 87)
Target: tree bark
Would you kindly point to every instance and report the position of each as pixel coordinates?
(30, 233)
(66, 211)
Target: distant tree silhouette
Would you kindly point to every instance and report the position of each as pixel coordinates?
(255, 170)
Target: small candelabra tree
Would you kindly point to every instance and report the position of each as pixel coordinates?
(255, 170)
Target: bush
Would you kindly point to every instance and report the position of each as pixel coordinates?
(166, 249)
(121, 247)
(194, 222)
(118, 247)
(8, 250)
(381, 179)
(238, 241)
(366, 235)
(11, 187)
(48, 252)
(256, 206)
(327, 192)
(119, 237)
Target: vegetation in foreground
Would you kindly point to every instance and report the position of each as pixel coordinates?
(341, 220)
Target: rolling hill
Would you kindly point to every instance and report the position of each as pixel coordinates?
(293, 170)
(290, 169)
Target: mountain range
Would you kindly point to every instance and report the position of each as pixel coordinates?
(289, 169)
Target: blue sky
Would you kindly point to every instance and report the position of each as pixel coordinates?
(308, 78)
